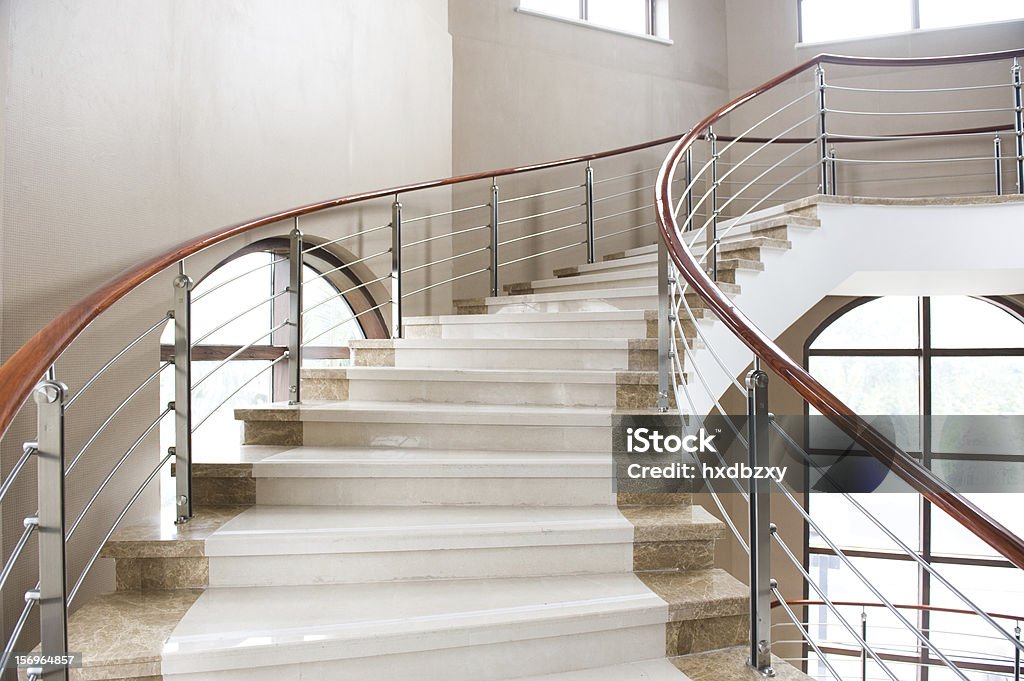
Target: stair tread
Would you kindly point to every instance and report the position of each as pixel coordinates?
(571, 342)
(251, 626)
(731, 664)
(646, 670)
(272, 530)
(521, 317)
(311, 461)
(428, 412)
(487, 375)
(648, 271)
(591, 294)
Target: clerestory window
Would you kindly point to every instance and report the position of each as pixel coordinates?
(637, 17)
(827, 20)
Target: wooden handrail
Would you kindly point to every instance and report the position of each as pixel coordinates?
(921, 479)
(23, 369)
(915, 606)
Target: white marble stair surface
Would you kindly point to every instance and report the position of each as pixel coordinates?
(593, 300)
(435, 425)
(483, 386)
(621, 278)
(602, 324)
(605, 354)
(645, 670)
(330, 476)
(457, 630)
(295, 545)
(643, 261)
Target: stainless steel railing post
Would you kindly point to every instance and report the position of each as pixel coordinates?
(689, 184)
(494, 237)
(1018, 124)
(1016, 653)
(665, 287)
(997, 155)
(182, 449)
(864, 650)
(711, 238)
(396, 269)
(590, 213)
(833, 171)
(50, 397)
(295, 271)
(761, 529)
(819, 77)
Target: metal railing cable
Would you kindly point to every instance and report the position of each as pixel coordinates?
(233, 279)
(141, 337)
(346, 237)
(725, 205)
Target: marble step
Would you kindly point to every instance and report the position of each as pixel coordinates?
(606, 324)
(629, 253)
(619, 264)
(353, 476)
(623, 278)
(596, 300)
(461, 630)
(294, 545)
(731, 664)
(595, 354)
(274, 545)
(646, 670)
(527, 387)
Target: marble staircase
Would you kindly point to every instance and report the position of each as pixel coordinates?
(444, 508)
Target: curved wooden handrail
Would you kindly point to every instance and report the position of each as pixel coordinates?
(915, 606)
(23, 369)
(921, 479)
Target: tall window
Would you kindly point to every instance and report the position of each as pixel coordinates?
(822, 20)
(234, 309)
(915, 358)
(642, 17)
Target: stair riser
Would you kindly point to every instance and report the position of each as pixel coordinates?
(618, 265)
(581, 304)
(339, 568)
(481, 392)
(435, 491)
(533, 653)
(566, 284)
(617, 359)
(633, 329)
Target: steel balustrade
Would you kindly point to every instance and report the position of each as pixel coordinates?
(706, 193)
(689, 273)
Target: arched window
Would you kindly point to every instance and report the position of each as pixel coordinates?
(911, 359)
(234, 309)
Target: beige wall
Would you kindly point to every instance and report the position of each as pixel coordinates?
(130, 126)
(530, 89)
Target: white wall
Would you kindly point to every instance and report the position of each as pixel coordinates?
(530, 89)
(132, 125)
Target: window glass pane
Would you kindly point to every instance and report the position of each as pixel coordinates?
(977, 385)
(889, 322)
(964, 322)
(233, 298)
(895, 579)
(993, 589)
(625, 15)
(849, 528)
(939, 13)
(951, 538)
(562, 8)
(845, 19)
(325, 324)
(222, 433)
(871, 386)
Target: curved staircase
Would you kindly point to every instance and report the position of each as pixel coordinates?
(444, 508)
